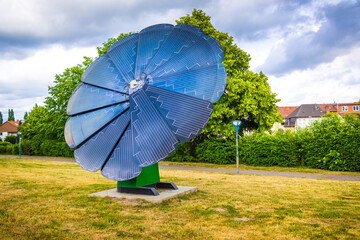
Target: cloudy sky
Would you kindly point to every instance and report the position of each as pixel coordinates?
(310, 50)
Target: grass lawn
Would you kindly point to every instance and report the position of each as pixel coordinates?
(274, 168)
(48, 200)
(241, 167)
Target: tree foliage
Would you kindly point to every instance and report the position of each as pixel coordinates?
(25, 116)
(11, 116)
(1, 118)
(249, 97)
(11, 139)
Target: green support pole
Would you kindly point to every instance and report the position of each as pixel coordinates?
(149, 175)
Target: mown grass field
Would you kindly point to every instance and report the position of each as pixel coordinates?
(48, 200)
(232, 166)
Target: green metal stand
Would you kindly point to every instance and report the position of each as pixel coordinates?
(146, 183)
(149, 175)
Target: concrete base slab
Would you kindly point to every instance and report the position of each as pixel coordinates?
(164, 194)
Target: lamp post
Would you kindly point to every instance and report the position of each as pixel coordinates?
(19, 134)
(237, 124)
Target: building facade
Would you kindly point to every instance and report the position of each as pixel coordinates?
(295, 117)
(8, 128)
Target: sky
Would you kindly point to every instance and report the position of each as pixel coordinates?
(310, 50)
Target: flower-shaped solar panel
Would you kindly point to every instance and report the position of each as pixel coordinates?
(150, 91)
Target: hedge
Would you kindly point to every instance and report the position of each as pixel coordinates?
(332, 144)
(39, 148)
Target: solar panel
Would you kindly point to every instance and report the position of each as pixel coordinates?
(150, 91)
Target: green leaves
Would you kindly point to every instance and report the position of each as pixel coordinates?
(249, 97)
(11, 116)
(332, 143)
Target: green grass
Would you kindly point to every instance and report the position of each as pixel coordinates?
(241, 167)
(276, 169)
(48, 200)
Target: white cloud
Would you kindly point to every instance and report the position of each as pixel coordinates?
(25, 82)
(336, 81)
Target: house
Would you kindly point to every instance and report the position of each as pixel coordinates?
(303, 116)
(348, 108)
(284, 111)
(8, 128)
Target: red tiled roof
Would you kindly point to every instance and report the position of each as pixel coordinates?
(16, 124)
(285, 111)
(9, 126)
(328, 107)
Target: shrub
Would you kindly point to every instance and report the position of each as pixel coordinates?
(9, 149)
(26, 148)
(332, 144)
(217, 150)
(11, 139)
(4, 144)
(280, 149)
(15, 149)
(183, 153)
(2, 149)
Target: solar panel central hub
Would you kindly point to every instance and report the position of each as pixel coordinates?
(136, 85)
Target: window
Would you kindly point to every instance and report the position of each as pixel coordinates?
(355, 108)
(344, 108)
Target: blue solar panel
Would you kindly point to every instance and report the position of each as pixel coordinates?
(185, 115)
(182, 37)
(103, 73)
(150, 41)
(121, 165)
(93, 153)
(153, 139)
(86, 98)
(149, 91)
(81, 127)
(198, 83)
(123, 56)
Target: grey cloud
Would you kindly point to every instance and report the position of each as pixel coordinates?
(81, 23)
(336, 36)
(254, 20)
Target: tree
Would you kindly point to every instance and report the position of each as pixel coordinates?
(1, 118)
(11, 116)
(249, 97)
(25, 116)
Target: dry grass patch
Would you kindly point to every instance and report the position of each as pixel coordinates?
(48, 200)
(246, 167)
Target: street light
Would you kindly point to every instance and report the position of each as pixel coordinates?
(237, 124)
(19, 134)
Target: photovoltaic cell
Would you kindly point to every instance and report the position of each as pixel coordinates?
(185, 115)
(103, 73)
(190, 59)
(87, 97)
(197, 83)
(124, 56)
(92, 155)
(182, 37)
(153, 140)
(150, 41)
(79, 128)
(121, 165)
